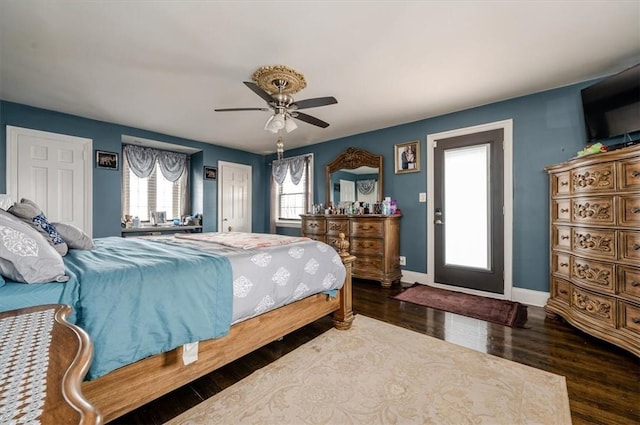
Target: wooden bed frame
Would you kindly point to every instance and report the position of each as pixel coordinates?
(134, 385)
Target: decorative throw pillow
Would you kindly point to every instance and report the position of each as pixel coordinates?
(74, 237)
(32, 214)
(25, 255)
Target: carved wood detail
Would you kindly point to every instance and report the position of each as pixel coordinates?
(592, 274)
(351, 159)
(591, 305)
(593, 242)
(593, 178)
(592, 211)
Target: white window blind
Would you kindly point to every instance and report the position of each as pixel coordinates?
(153, 193)
(293, 200)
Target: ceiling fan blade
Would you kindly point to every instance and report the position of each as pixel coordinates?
(257, 90)
(241, 109)
(310, 120)
(315, 102)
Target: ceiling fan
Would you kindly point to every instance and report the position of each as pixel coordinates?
(275, 84)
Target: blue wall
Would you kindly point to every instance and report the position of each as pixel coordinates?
(548, 128)
(106, 183)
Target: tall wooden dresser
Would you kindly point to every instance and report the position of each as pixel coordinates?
(373, 239)
(595, 245)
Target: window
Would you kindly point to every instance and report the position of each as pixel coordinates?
(153, 193)
(290, 200)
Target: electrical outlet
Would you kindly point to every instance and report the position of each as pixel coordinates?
(403, 260)
(422, 197)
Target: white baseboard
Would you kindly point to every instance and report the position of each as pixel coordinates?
(412, 277)
(529, 297)
(521, 295)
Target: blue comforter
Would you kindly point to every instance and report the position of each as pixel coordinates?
(137, 298)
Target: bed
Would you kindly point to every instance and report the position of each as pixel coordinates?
(144, 350)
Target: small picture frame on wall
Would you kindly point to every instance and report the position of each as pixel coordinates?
(108, 160)
(210, 173)
(407, 157)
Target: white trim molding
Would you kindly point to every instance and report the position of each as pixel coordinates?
(507, 127)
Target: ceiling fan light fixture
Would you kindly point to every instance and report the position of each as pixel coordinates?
(289, 124)
(275, 123)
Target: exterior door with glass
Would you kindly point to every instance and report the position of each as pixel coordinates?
(469, 212)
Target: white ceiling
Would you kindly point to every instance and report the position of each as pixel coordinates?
(166, 65)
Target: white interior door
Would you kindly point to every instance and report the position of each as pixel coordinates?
(53, 170)
(347, 191)
(234, 197)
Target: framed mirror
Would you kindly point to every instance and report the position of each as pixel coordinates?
(354, 175)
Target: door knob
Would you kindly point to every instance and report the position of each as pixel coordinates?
(439, 222)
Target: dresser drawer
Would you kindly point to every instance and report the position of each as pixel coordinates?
(366, 264)
(598, 308)
(561, 237)
(629, 207)
(313, 226)
(367, 228)
(629, 282)
(593, 210)
(629, 317)
(629, 174)
(630, 246)
(593, 178)
(319, 238)
(560, 264)
(561, 290)
(600, 276)
(335, 226)
(366, 246)
(560, 184)
(599, 243)
(561, 210)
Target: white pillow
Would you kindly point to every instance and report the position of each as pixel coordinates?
(73, 236)
(5, 202)
(25, 255)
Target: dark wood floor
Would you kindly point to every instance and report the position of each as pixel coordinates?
(603, 381)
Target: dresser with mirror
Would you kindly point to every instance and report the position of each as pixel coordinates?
(357, 176)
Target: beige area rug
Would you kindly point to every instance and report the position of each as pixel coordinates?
(377, 373)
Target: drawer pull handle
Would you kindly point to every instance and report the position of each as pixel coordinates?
(635, 283)
(314, 225)
(564, 210)
(564, 183)
(635, 210)
(563, 291)
(635, 319)
(564, 237)
(564, 264)
(636, 246)
(635, 173)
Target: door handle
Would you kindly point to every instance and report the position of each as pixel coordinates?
(439, 222)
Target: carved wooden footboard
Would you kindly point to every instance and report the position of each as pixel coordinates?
(132, 386)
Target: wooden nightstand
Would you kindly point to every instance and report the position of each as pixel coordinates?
(43, 360)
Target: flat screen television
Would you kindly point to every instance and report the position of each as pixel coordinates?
(612, 106)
